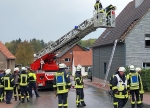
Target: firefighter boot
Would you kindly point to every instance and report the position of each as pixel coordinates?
(83, 103)
(139, 106)
(15, 98)
(22, 100)
(19, 97)
(28, 100)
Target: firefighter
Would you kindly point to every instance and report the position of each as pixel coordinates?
(79, 85)
(23, 83)
(61, 86)
(32, 83)
(98, 6)
(8, 85)
(120, 88)
(16, 87)
(109, 8)
(135, 84)
(1, 86)
(138, 69)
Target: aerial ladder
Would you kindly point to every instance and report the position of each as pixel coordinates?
(45, 59)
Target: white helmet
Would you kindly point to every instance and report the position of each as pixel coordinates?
(138, 69)
(122, 69)
(79, 67)
(97, 0)
(132, 68)
(62, 65)
(8, 71)
(16, 69)
(23, 68)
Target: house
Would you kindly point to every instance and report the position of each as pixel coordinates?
(133, 33)
(7, 59)
(66, 56)
(84, 58)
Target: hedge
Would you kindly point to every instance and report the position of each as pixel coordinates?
(145, 75)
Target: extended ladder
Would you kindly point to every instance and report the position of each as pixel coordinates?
(110, 61)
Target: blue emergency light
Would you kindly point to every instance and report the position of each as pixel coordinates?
(76, 27)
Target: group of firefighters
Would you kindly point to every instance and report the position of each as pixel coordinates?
(62, 86)
(126, 87)
(18, 84)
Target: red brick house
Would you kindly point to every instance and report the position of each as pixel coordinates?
(66, 56)
(7, 59)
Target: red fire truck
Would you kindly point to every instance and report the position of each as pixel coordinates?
(44, 62)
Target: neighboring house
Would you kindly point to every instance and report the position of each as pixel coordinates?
(7, 60)
(66, 55)
(133, 33)
(84, 58)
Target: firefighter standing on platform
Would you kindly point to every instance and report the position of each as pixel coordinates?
(1, 86)
(16, 87)
(120, 89)
(23, 83)
(32, 83)
(61, 86)
(8, 85)
(135, 84)
(98, 6)
(79, 85)
(138, 69)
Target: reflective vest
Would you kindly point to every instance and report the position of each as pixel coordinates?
(121, 87)
(141, 89)
(32, 77)
(80, 85)
(134, 81)
(60, 83)
(23, 80)
(111, 80)
(8, 83)
(98, 9)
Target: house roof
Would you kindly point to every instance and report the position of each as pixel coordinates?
(125, 21)
(83, 58)
(67, 49)
(6, 52)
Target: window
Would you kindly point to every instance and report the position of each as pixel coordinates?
(147, 40)
(67, 59)
(105, 68)
(146, 65)
(68, 67)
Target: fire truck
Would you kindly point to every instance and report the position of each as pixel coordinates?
(45, 64)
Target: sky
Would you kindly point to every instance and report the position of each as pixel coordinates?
(47, 19)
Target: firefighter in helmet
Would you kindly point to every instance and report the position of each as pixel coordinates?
(79, 85)
(138, 69)
(16, 87)
(23, 83)
(135, 86)
(120, 88)
(61, 86)
(1, 86)
(8, 85)
(98, 5)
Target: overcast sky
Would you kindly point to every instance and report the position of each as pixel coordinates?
(47, 19)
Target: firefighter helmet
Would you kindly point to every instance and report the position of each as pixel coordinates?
(132, 68)
(23, 68)
(16, 69)
(62, 65)
(79, 67)
(138, 69)
(121, 69)
(8, 71)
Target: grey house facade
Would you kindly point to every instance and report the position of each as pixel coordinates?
(133, 33)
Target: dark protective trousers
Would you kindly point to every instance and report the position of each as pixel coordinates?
(63, 100)
(33, 85)
(136, 93)
(120, 103)
(24, 92)
(9, 94)
(79, 96)
(1, 94)
(141, 96)
(17, 90)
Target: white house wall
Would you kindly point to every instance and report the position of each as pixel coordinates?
(136, 53)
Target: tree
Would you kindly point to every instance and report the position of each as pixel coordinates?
(87, 43)
(24, 53)
(36, 45)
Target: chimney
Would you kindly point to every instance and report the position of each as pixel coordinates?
(138, 3)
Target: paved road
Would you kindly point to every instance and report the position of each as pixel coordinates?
(94, 98)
